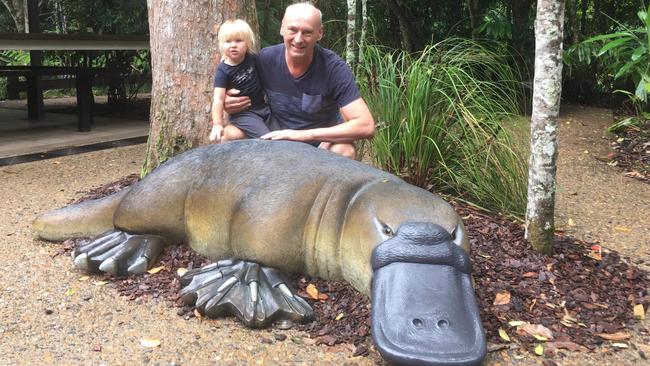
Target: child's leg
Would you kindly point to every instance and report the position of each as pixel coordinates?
(251, 122)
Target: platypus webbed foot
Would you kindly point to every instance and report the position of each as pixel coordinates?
(119, 253)
(424, 310)
(256, 295)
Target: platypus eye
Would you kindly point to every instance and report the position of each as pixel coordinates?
(386, 230)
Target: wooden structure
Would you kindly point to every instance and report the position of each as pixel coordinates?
(35, 42)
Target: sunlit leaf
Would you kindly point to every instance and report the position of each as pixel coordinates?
(181, 272)
(156, 270)
(312, 291)
(504, 335)
(619, 336)
(515, 323)
(639, 312)
(339, 317)
(502, 298)
(539, 350)
(150, 342)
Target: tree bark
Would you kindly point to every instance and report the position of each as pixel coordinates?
(18, 11)
(583, 17)
(410, 39)
(547, 89)
(364, 29)
(520, 10)
(474, 18)
(351, 29)
(572, 21)
(184, 53)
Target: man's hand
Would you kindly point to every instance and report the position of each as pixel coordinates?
(292, 135)
(216, 133)
(233, 104)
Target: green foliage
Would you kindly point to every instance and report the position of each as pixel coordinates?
(496, 24)
(440, 116)
(625, 55)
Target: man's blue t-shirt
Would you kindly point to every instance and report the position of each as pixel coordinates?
(242, 77)
(312, 100)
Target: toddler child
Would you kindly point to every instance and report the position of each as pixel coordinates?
(237, 71)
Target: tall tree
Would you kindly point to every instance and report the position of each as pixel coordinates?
(184, 53)
(547, 89)
(351, 29)
(364, 29)
(18, 11)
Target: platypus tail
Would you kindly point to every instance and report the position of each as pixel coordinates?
(88, 218)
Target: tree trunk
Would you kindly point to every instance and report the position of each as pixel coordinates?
(520, 10)
(547, 89)
(583, 18)
(18, 11)
(572, 20)
(184, 54)
(351, 29)
(364, 29)
(410, 39)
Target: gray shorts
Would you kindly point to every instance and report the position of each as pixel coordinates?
(253, 121)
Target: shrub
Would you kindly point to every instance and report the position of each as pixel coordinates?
(440, 116)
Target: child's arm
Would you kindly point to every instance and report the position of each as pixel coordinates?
(217, 114)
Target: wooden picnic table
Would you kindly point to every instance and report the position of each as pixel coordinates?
(83, 79)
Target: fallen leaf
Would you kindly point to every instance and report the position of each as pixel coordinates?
(515, 323)
(539, 350)
(322, 296)
(312, 291)
(571, 346)
(504, 335)
(502, 298)
(639, 312)
(156, 270)
(149, 342)
(181, 272)
(622, 228)
(535, 330)
(634, 174)
(530, 274)
(56, 162)
(70, 292)
(619, 336)
(484, 256)
(84, 278)
(571, 222)
(197, 315)
(100, 283)
(620, 345)
(339, 317)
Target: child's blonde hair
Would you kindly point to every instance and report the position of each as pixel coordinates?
(236, 28)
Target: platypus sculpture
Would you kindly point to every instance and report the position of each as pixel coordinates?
(262, 206)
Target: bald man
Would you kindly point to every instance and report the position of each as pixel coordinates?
(311, 91)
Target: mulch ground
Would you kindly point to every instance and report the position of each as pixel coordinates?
(576, 299)
(631, 152)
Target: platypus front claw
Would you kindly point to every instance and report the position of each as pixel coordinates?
(256, 295)
(119, 253)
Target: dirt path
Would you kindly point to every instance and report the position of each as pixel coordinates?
(595, 201)
(50, 312)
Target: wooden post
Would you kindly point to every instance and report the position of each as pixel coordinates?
(34, 86)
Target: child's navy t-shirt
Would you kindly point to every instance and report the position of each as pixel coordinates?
(243, 77)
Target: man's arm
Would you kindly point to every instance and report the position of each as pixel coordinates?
(235, 104)
(358, 125)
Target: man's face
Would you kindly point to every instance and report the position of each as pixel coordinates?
(301, 32)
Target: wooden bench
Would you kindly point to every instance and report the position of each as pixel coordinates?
(83, 82)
